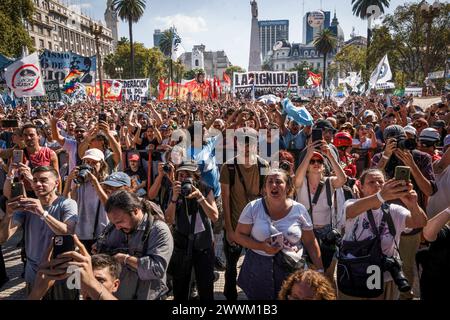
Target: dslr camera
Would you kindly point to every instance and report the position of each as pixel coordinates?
(394, 267)
(166, 168)
(332, 238)
(186, 187)
(82, 173)
(406, 144)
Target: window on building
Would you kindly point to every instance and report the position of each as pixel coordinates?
(313, 53)
(306, 53)
(282, 66)
(34, 41)
(41, 43)
(49, 33)
(47, 19)
(38, 16)
(50, 46)
(196, 63)
(41, 30)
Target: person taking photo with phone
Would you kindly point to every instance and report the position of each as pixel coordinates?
(41, 219)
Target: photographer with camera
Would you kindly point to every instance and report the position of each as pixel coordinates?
(84, 185)
(99, 274)
(371, 217)
(400, 151)
(192, 211)
(41, 219)
(141, 242)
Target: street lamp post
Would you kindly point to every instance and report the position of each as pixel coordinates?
(97, 31)
(429, 12)
(119, 70)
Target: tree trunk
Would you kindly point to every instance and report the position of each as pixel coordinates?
(130, 27)
(324, 72)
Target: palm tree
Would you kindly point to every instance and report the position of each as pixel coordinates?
(165, 44)
(325, 42)
(360, 8)
(130, 11)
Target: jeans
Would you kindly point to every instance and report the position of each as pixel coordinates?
(232, 255)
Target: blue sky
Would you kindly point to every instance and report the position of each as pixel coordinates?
(225, 24)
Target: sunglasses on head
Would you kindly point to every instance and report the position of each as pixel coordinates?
(314, 161)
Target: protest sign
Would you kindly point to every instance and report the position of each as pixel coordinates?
(264, 82)
(135, 89)
(24, 77)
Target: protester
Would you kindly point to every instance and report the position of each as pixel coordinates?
(307, 285)
(263, 272)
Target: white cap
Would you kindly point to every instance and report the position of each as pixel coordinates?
(94, 154)
(429, 134)
(410, 129)
(369, 113)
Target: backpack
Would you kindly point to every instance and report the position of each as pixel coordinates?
(356, 259)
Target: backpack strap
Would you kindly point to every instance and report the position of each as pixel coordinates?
(261, 177)
(329, 198)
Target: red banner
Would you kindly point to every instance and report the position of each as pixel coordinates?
(198, 91)
(315, 78)
(112, 90)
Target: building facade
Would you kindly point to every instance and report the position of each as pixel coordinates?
(289, 55)
(214, 63)
(270, 32)
(57, 28)
(112, 22)
(157, 35)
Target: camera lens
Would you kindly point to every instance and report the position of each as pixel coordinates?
(83, 173)
(186, 187)
(407, 144)
(166, 168)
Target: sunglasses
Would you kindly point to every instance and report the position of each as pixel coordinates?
(314, 161)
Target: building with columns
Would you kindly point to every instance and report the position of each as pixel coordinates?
(214, 63)
(58, 28)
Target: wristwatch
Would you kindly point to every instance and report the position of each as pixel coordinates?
(44, 215)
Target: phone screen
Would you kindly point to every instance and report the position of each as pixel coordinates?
(402, 173)
(316, 135)
(17, 156)
(17, 190)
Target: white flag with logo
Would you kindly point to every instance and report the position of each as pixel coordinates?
(24, 77)
(382, 73)
(177, 49)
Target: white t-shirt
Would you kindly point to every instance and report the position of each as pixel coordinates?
(440, 200)
(291, 226)
(321, 211)
(365, 145)
(358, 228)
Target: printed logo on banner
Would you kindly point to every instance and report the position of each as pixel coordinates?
(262, 83)
(26, 78)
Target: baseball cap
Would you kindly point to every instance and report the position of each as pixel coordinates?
(94, 154)
(189, 165)
(438, 124)
(410, 129)
(324, 124)
(164, 127)
(317, 155)
(133, 157)
(394, 131)
(368, 113)
(429, 134)
(118, 179)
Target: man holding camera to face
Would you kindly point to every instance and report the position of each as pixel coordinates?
(41, 219)
(400, 151)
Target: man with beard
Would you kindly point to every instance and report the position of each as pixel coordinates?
(140, 242)
(41, 219)
(70, 145)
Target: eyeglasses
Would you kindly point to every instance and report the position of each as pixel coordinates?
(313, 161)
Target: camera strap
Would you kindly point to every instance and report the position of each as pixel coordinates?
(97, 215)
(315, 199)
(390, 223)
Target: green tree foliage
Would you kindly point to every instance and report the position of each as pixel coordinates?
(166, 41)
(325, 42)
(302, 72)
(351, 58)
(13, 35)
(130, 11)
(191, 74)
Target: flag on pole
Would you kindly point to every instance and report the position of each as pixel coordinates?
(315, 79)
(382, 73)
(177, 48)
(226, 78)
(24, 77)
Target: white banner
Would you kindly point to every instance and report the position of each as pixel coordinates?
(382, 73)
(415, 92)
(387, 85)
(135, 89)
(24, 77)
(436, 75)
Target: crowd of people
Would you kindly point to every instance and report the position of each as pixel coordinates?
(153, 200)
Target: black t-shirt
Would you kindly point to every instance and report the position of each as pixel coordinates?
(146, 142)
(435, 262)
(203, 239)
(7, 137)
(140, 174)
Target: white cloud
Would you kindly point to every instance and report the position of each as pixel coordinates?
(183, 23)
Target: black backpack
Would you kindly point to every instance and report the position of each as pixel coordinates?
(353, 272)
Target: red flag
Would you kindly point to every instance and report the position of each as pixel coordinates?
(226, 78)
(316, 78)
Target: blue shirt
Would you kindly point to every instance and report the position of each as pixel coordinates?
(206, 159)
(299, 140)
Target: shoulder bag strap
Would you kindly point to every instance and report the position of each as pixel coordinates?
(313, 202)
(373, 225)
(329, 198)
(390, 223)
